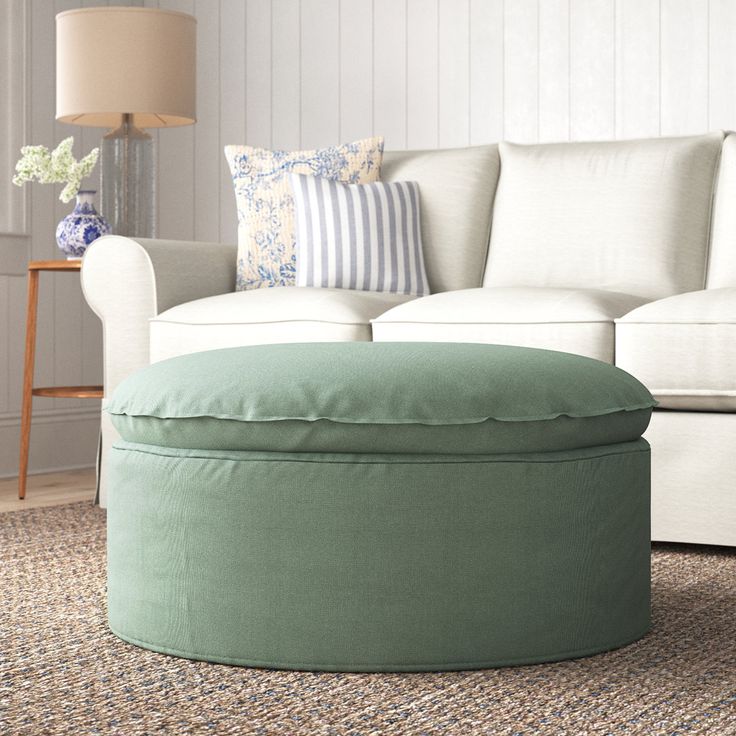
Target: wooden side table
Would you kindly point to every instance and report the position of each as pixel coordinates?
(59, 392)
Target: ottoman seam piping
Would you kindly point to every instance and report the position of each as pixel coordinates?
(446, 422)
(429, 460)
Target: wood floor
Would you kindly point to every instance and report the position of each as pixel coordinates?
(48, 489)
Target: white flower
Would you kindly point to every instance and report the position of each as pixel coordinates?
(59, 166)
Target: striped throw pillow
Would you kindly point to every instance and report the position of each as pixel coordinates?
(358, 236)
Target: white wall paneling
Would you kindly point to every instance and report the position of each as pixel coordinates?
(592, 69)
(231, 116)
(14, 26)
(422, 73)
(389, 66)
(684, 66)
(207, 149)
(554, 69)
(434, 73)
(320, 74)
(637, 53)
(722, 64)
(356, 71)
(285, 74)
(258, 68)
(486, 87)
(521, 71)
(69, 341)
(5, 342)
(453, 80)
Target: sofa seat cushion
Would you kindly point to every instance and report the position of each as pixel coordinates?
(572, 320)
(363, 397)
(684, 349)
(260, 316)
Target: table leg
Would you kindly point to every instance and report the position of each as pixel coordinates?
(25, 425)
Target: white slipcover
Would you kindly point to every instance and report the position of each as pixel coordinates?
(683, 349)
(693, 476)
(571, 320)
(722, 258)
(262, 316)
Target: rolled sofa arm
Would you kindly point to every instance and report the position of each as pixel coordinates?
(126, 282)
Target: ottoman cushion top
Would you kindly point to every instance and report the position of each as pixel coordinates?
(448, 398)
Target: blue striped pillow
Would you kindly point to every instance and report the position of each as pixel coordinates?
(358, 236)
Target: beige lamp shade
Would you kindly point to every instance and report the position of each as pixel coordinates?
(116, 60)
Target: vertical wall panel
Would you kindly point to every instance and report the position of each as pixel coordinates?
(722, 65)
(521, 71)
(429, 73)
(207, 153)
(486, 71)
(69, 348)
(285, 72)
(176, 165)
(356, 70)
(554, 70)
(4, 342)
(422, 38)
(454, 73)
(17, 293)
(42, 197)
(258, 98)
(12, 99)
(637, 68)
(389, 72)
(592, 69)
(232, 106)
(424, 73)
(684, 103)
(320, 64)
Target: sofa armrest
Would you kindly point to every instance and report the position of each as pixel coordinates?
(126, 282)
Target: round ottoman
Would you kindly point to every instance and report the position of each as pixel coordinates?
(379, 507)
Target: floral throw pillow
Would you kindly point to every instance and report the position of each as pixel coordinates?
(265, 201)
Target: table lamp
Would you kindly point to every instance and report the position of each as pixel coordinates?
(126, 69)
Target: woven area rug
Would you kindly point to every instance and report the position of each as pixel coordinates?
(63, 673)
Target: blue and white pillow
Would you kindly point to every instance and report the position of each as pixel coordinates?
(265, 207)
(358, 236)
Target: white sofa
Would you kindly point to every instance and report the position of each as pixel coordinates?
(622, 251)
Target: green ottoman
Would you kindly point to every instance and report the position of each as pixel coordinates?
(379, 507)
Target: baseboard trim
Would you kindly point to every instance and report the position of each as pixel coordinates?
(50, 469)
(61, 439)
(49, 416)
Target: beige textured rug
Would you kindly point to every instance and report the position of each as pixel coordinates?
(61, 672)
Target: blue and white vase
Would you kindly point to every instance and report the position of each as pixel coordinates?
(82, 226)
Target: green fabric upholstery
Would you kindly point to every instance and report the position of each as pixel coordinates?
(381, 397)
(379, 563)
(379, 507)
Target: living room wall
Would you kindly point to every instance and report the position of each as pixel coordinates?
(423, 73)
(69, 351)
(435, 73)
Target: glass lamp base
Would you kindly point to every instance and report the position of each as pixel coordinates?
(128, 186)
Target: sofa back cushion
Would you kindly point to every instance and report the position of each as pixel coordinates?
(722, 260)
(456, 190)
(627, 216)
